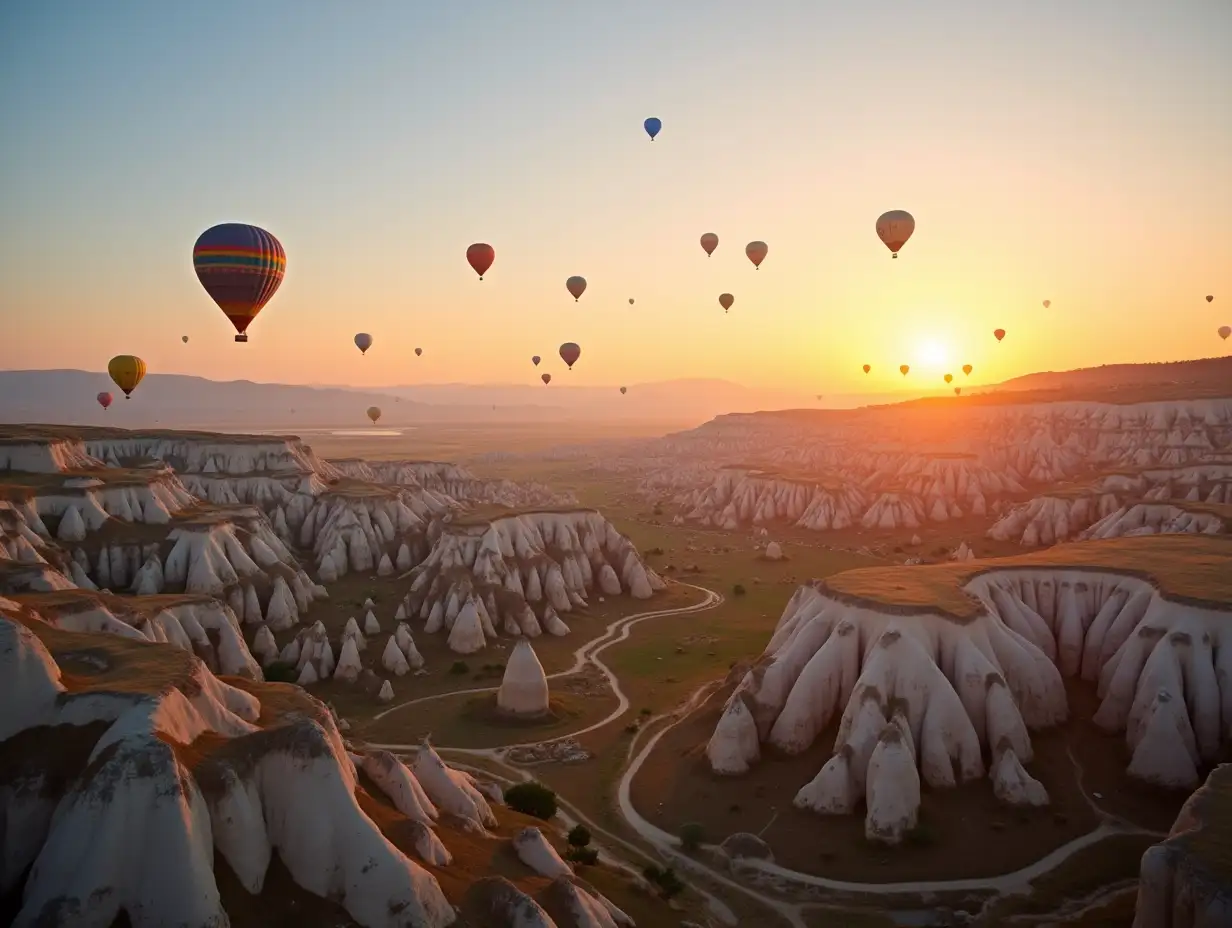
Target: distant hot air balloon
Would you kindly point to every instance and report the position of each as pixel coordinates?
(999, 333)
(363, 341)
(184, 339)
(819, 396)
(630, 301)
(624, 390)
(867, 368)
(546, 378)
(652, 126)
(1225, 331)
(535, 359)
(126, 371)
(569, 353)
(576, 287)
(949, 377)
(240, 266)
(894, 228)
(374, 413)
(418, 352)
(903, 368)
(710, 242)
(967, 368)
(726, 300)
(757, 252)
(104, 399)
(1047, 303)
(480, 257)
(958, 391)
(1210, 298)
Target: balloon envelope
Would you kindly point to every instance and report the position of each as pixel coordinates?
(710, 242)
(958, 391)
(1047, 303)
(363, 341)
(480, 257)
(867, 368)
(1225, 331)
(949, 377)
(576, 287)
(967, 369)
(624, 390)
(1210, 297)
(374, 413)
(418, 352)
(546, 378)
(184, 339)
(894, 228)
(999, 333)
(104, 399)
(652, 126)
(757, 252)
(241, 267)
(569, 353)
(126, 371)
(903, 368)
(726, 300)
(535, 359)
(630, 301)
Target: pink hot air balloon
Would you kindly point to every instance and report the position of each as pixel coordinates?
(999, 333)
(480, 257)
(418, 352)
(726, 300)
(710, 242)
(569, 353)
(546, 378)
(104, 399)
(576, 287)
(757, 252)
(894, 228)
(535, 359)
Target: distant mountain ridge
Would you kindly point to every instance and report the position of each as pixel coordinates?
(1204, 371)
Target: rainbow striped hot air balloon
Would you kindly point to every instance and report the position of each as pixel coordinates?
(240, 266)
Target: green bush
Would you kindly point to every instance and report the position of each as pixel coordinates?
(458, 668)
(582, 855)
(533, 799)
(666, 880)
(281, 672)
(738, 589)
(692, 834)
(579, 836)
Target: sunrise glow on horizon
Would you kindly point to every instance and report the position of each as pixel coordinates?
(1076, 154)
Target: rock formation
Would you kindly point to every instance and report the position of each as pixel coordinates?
(524, 687)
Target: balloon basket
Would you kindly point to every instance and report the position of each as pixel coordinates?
(241, 337)
(894, 256)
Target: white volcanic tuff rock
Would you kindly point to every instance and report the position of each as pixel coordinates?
(88, 503)
(1182, 883)
(453, 481)
(46, 456)
(534, 850)
(966, 689)
(893, 511)
(738, 497)
(1156, 519)
(893, 790)
(1046, 520)
(482, 578)
(402, 634)
(354, 531)
(524, 687)
(221, 454)
(450, 790)
(290, 788)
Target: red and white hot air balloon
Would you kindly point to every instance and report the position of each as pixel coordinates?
(480, 257)
(757, 252)
(894, 228)
(710, 242)
(105, 399)
(569, 353)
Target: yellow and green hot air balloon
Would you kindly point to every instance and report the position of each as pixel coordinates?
(126, 371)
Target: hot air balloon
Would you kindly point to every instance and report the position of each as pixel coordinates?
(363, 341)
(569, 353)
(418, 352)
(576, 287)
(867, 368)
(1210, 298)
(949, 378)
(710, 242)
(184, 339)
(819, 396)
(480, 257)
(546, 378)
(630, 301)
(967, 368)
(652, 127)
(1047, 303)
(535, 359)
(757, 252)
(240, 266)
(1225, 331)
(104, 399)
(726, 300)
(958, 391)
(374, 413)
(999, 333)
(894, 228)
(903, 368)
(624, 390)
(126, 371)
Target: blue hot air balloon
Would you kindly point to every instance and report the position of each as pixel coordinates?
(653, 125)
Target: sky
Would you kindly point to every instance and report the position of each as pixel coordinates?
(1075, 152)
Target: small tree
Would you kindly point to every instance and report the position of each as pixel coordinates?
(532, 799)
(457, 668)
(738, 589)
(579, 836)
(692, 834)
(281, 672)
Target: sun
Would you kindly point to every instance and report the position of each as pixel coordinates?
(932, 353)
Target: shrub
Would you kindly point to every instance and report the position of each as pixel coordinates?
(579, 836)
(666, 880)
(646, 712)
(692, 834)
(582, 855)
(738, 589)
(458, 668)
(532, 799)
(281, 672)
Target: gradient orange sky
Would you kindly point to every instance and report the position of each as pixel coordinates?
(1077, 152)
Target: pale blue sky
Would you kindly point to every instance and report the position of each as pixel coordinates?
(1078, 151)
